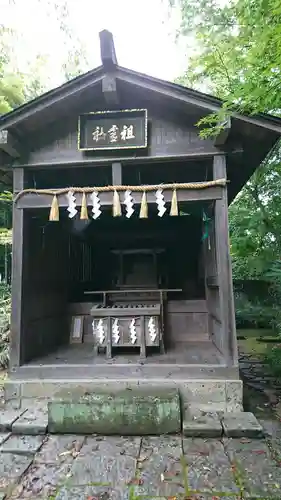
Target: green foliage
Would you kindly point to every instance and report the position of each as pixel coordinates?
(237, 55)
(11, 85)
(255, 221)
(252, 313)
(5, 311)
(5, 234)
(273, 359)
(238, 51)
(6, 200)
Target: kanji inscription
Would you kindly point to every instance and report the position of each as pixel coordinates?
(113, 130)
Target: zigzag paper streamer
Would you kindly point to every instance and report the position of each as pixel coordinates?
(96, 205)
(129, 203)
(71, 205)
(100, 330)
(152, 329)
(133, 332)
(115, 331)
(160, 202)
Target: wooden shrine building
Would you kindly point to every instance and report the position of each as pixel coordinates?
(121, 260)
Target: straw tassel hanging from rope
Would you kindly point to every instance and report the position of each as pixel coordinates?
(143, 208)
(54, 212)
(84, 209)
(174, 205)
(117, 212)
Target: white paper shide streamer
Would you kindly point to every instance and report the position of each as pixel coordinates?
(96, 205)
(115, 331)
(71, 205)
(133, 332)
(129, 203)
(152, 329)
(100, 330)
(160, 202)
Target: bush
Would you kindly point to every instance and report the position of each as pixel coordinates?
(5, 312)
(273, 359)
(273, 356)
(252, 313)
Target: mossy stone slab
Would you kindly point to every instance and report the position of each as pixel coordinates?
(131, 412)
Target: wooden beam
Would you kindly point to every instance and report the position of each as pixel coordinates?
(116, 174)
(228, 330)
(9, 144)
(89, 162)
(109, 89)
(16, 339)
(107, 50)
(223, 135)
(33, 200)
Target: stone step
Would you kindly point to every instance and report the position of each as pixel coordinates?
(131, 412)
(210, 394)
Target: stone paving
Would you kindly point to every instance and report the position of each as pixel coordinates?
(69, 467)
(36, 465)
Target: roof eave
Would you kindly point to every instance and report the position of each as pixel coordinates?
(14, 117)
(190, 96)
(206, 102)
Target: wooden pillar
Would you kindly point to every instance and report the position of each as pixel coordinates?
(16, 341)
(224, 271)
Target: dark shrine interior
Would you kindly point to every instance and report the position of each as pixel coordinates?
(111, 253)
(154, 253)
(66, 261)
(115, 253)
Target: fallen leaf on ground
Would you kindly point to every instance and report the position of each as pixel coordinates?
(136, 481)
(74, 452)
(169, 475)
(64, 453)
(245, 440)
(142, 459)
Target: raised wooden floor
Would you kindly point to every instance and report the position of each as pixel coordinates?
(192, 360)
(186, 354)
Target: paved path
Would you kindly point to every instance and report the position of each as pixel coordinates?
(169, 467)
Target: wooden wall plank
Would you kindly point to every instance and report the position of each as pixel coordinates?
(116, 174)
